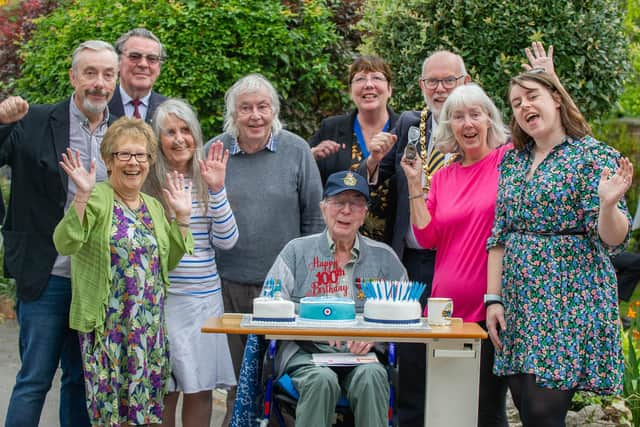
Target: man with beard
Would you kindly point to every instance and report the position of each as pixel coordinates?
(141, 55)
(32, 139)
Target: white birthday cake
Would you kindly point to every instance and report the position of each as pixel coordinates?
(270, 306)
(267, 309)
(327, 308)
(392, 302)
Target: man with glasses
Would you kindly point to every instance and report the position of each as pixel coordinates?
(340, 252)
(32, 139)
(442, 72)
(141, 56)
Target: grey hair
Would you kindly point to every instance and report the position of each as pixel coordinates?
(93, 45)
(250, 83)
(139, 32)
(466, 96)
(463, 69)
(157, 179)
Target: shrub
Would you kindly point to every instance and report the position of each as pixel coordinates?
(591, 48)
(630, 99)
(15, 28)
(210, 44)
(624, 135)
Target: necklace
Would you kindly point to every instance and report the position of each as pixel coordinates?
(125, 201)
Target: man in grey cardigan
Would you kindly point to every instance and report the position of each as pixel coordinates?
(274, 187)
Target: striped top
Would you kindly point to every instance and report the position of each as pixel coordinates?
(197, 274)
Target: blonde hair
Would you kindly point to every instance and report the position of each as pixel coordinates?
(128, 128)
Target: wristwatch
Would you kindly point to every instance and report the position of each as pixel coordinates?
(490, 299)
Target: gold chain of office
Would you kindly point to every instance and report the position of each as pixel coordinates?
(424, 144)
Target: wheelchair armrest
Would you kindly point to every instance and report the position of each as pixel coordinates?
(269, 362)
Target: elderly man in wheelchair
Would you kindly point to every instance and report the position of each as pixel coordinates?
(345, 254)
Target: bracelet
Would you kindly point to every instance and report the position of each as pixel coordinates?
(416, 196)
(488, 303)
(182, 224)
(80, 201)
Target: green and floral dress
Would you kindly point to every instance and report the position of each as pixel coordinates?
(126, 369)
(559, 286)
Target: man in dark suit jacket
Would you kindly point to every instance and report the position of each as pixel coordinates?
(32, 139)
(141, 56)
(442, 72)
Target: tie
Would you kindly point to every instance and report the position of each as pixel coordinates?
(136, 112)
(436, 161)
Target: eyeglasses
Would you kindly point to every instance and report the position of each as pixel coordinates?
(356, 204)
(362, 80)
(125, 156)
(447, 83)
(247, 109)
(137, 57)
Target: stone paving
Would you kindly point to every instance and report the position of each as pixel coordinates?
(10, 363)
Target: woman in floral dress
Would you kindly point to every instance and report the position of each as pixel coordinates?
(552, 310)
(122, 248)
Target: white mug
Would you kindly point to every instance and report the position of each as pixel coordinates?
(440, 311)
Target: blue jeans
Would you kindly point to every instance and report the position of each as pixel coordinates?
(45, 342)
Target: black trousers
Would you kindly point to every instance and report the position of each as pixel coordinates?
(412, 356)
(412, 363)
(627, 265)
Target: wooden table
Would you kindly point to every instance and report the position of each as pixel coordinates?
(453, 360)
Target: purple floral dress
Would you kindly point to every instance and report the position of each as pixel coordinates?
(126, 368)
(559, 286)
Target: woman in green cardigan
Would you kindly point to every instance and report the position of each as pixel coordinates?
(122, 248)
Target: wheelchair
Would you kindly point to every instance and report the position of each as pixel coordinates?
(280, 397)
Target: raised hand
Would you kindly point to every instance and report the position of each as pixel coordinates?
(177, 196)
(214, 168)
(612, 188)
(380, 145)
(84, 181)
(325, 149)
(412, 170)
(538, 58)
(13, 109)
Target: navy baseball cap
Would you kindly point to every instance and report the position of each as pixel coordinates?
(343, 181)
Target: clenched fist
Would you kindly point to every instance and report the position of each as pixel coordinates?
(13, 109)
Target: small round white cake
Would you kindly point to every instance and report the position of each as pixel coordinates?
(266, 309)
(392, 312)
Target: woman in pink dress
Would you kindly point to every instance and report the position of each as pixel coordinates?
(457, 218)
